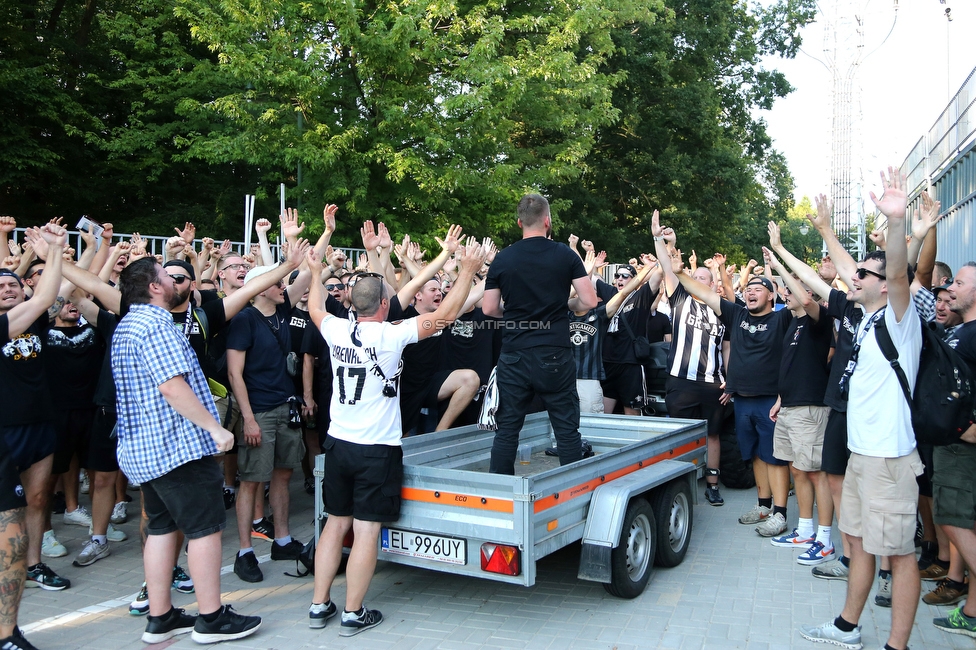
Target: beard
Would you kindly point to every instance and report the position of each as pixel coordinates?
(177, 298)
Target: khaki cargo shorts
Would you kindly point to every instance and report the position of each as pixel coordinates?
(799, 436)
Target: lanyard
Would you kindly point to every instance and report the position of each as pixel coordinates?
(845, 379)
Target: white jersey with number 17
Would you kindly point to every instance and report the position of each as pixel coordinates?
(359, 411)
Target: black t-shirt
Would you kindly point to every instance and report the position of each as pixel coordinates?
(73, 360)
(618, 347)
(757, 347)
(468, 344)
(587, 333)
(803, 369)
(848, 315)
(105, 390)
(266, 341)
(421, 360)
(299, 321)
(658, 326)
(965, 336)
(208, 295)
(25, 394)
(193, 325)
(535, 276)
(605, 291)
(314, 344)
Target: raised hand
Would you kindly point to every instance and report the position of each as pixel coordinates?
(719, 258)
(878, 237)
(491, 250)
(54, 233)
(669, 236)
(386, 242)
(656, 229)
(771, 260)
(601, 260)
(68, 254)
(693, 259)
(926, 216)
(10, 262)
(7, 224)
(337, 259)
(827, 270)
(370, 239)
(894, 201)
(224, 249)
(14, 248)
(416, 253)
(138, 241)
(190, 253)
(290, 227)
(88, 236)
(710, 264)
(573, 241)
(587, 245)
(451, 241)
(363, 262)
(328, 216)
(262, 226)
(314, 263)
(174, 247)
(188, 233)
(774, 235)
(108, 231)
(472, 256)
(296, 253)
(206, 245)
(825, 208)
(759, 270)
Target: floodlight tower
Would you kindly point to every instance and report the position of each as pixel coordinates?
(844, 36)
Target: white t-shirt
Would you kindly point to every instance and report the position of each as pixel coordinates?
(360, 412)
(879, 421)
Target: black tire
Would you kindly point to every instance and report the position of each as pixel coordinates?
(736, 473)
(674, 512)
(632, 561)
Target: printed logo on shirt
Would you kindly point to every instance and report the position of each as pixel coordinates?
(796, 335)
(463, 328)
(580, 333)
(850, 327)
(696, 321)
(80, 341)
(752, 329)
(297, 321)
(25, 346)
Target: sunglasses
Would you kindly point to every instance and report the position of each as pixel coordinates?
(35, 273)
(863, 273)
(335, 287)
(179, 279)
(625, 276)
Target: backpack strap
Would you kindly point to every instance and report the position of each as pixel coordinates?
(891, 354)
(204, 322)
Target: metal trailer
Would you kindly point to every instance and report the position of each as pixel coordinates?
(631, 504)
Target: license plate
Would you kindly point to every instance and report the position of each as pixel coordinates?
(428, 547)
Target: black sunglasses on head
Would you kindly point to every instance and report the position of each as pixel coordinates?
(863, 273)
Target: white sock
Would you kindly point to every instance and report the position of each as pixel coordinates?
(318, 608)
(257, 521)
(230, 487)
(281, 541)
(805, 528)
(244, 551)
(823, 536)
(101, 539)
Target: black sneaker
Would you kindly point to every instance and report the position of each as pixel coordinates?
(356, 622)
(165, 627)
(230, 498)
(228, 626)
(40, 575)
(264, 529)
(16, 641)
(713, 496)
(316, 620)
(310, 487)
(58, 505)
(289, 551)
(246, 568)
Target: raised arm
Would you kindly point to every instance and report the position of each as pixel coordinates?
(448, 246)
(893, 204)
(662, 237)
(261, 227)
(700, 291)
(810, 306)
(844, 263)
(650, 266)
(924, 231)
(22, 316)
(237, 301)
(806, 274)
(472, 257)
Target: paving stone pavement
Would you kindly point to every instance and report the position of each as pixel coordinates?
(733, 591)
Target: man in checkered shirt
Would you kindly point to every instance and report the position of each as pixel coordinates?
(168, 432)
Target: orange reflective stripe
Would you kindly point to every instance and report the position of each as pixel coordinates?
(457, 499)
(583, 488)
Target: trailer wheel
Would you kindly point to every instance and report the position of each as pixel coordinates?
(631, 560)
(673, 510)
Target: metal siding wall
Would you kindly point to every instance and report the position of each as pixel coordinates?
(956, 189)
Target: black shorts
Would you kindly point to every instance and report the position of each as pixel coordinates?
(190, 498)
(835, 451)
(102, 450)
(11, 491)
(74, 435)
(696, 400)
(625, 383)
(30, 443)
(362, 481)
(924, 480)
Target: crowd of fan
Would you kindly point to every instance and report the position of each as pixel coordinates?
(774, 342)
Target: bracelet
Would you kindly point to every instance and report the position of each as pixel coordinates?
(659, 239)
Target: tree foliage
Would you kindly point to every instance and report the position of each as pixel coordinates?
(153, 112)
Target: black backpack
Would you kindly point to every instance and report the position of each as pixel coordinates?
(942, 407)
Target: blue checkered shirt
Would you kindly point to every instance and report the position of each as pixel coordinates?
(148, 350)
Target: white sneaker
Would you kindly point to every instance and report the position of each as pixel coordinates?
(78, 517)
(83, 485)
(775, 524)
(93, 552)
(120, 514)
(113, 534)
(51, 547)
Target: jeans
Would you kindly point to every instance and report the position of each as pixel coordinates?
(550, 373)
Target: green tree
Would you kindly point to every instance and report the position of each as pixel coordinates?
(687, 142)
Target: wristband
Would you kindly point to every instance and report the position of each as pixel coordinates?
(659, 239)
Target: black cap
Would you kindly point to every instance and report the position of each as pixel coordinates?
(186, 266)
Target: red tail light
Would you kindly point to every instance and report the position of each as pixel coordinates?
(498, 558)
